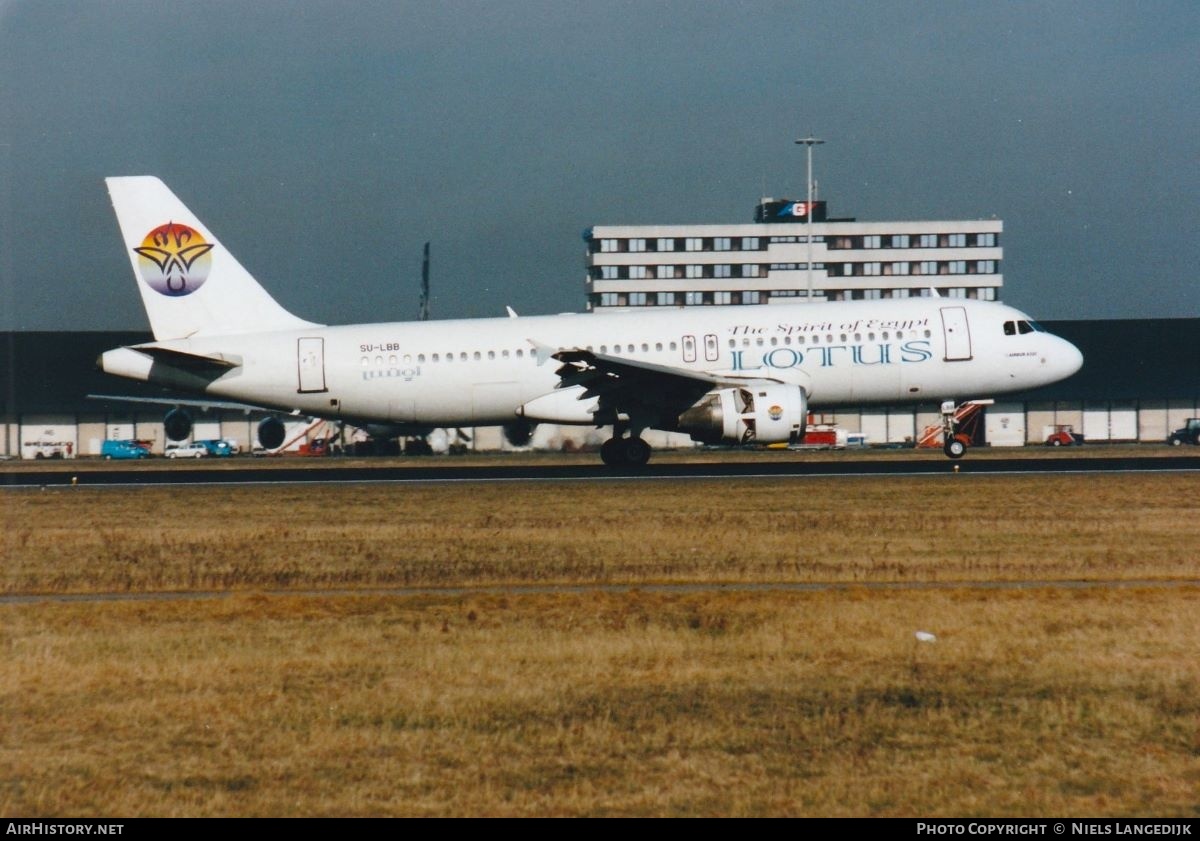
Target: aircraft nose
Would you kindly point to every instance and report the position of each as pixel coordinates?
(1068, 357)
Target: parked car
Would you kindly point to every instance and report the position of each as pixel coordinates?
(1189, 433)
(193, 450)
(218, 447)
(123, 449)
(1064, 435)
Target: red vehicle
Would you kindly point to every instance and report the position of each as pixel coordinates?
(1064, 435)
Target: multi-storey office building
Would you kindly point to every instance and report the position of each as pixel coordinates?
(772, 260)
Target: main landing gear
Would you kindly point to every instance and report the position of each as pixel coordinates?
(620, 451)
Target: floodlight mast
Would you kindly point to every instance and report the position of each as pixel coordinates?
(809, 142)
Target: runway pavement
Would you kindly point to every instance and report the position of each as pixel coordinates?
(447, 471)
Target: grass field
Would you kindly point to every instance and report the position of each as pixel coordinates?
(280, 699)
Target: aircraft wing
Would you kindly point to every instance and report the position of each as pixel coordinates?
(199, 404)
(635, 388)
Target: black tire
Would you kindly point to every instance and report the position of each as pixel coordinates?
(1175, 442)
(636, 452)
(954, 448)
(610, 452)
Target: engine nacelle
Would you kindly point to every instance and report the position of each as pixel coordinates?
(271, 433)
(177, 425)
(763, 414)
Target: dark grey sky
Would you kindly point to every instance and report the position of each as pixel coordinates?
(323, 142)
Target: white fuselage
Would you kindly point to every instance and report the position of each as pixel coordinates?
(479, 372)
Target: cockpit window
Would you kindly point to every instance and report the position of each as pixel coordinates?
(1010, 328)
(1024, 327)
(1038, 328)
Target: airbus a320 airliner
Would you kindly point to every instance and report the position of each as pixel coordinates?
(732, 375)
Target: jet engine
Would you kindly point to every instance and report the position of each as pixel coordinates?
(271, 433)
(763, 414)
(177, 424)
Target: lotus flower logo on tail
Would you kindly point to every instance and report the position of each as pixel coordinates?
(174, 259)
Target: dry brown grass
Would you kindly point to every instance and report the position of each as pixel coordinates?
(1039, 702)
(1050, 701)
(943, 528)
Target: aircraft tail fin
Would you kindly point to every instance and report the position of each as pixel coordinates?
(191, 285)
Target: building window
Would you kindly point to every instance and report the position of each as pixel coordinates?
(608, 299)
(637, 245)
(665, 272)
(958, 267)
(899, 293)
(723, 271)
(985, 267)
(927, 241)
(872, 294)
(751, 297)
(638, 272)
(722, 244)
(957, 292)
(694, 271)
(608, 273)
(722, 298)
(841, 242)
(637, 299)
(751, 270)
(900, 268)
(694, 244)
(610, 245)
(693, 298)
(873, 241)
(872, 269)
(987, 293)
(956, 240)
(899, 240)
(666, 244)
(985, 240)
(666, 299)
(929, 267)
(749, 243)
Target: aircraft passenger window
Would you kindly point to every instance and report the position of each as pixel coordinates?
(899, 335)
(630, 348)
(870, 337)
(829, 339)
(733, 342)
(420, 357)
(520, 353)
(436, 358)
(927, 334)
(462, 357)
(379, 361)
(1024, 327)
(604, 348)
(885, 335)
(673, 346)
(759, 341)
(858, 337)
(504, 353)
(491, 354)
(774, 341)
(478, 356)
(787, 340)
(449, 357)
(365, 362)
(745, 343)
(392, 359)
(645, 348)
(658, 345)
(408, 359)
(843, 337)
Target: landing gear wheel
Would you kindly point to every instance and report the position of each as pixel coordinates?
(955, 448)
(610, 452)
(625, 452)
(1056, 443)
(636, 451)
